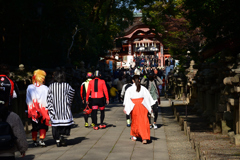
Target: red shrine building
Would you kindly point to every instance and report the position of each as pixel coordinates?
(138, 40)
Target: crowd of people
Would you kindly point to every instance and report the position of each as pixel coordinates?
(138, 88)
(147, 61)
(151, 61)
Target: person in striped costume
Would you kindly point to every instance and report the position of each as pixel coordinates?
(59, 100)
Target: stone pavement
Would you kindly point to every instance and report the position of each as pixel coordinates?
(178, 146)
(207, 144)
(111, 143)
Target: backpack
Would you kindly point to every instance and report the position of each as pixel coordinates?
(7, 138)
(6, 89)
(147, 86)
(126, 87)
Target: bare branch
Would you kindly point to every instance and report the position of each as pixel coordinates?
(76, 30)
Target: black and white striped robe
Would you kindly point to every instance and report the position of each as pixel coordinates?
(59, 101)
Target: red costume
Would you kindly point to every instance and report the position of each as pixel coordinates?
(97, 87)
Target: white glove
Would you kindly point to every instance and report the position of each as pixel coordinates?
(152, 115)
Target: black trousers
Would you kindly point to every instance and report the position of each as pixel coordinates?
(94, 116)
(57, 131)
(155, 112)
(39, 125)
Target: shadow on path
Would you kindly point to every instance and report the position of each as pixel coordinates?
(195, 121)
(149, 141)
(27, 157)
(75, 140)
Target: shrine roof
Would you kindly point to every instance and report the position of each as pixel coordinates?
(146, 41)
(134, 31)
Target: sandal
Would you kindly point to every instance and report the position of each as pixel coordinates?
(144, 141)
(133, 138)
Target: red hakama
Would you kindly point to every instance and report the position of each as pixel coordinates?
(140, 123)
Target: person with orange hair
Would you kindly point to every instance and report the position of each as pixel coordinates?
(36, 100)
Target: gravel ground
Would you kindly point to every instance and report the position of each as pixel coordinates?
(179, 148)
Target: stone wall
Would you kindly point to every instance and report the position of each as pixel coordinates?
(213, 89)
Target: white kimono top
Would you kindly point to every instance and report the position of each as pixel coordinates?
(131, 93)
(36, 100)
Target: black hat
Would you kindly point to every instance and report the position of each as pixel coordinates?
(150, 73)
(129, 79)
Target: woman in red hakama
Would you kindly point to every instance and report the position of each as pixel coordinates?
(140, 122)
(138, 102)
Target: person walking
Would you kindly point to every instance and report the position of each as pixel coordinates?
(119, 88)
(59, 100)
(113, 93)
(138, 102)
(20, 142)
(152, 84)
(83, 92)
(98, 90)
(10, 122)
(36, 100)
(8, 88)
(125, 87)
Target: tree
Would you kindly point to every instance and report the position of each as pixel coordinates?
(218, 21)
(40, 33)
(168, 19)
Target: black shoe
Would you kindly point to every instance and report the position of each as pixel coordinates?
(63, 142)
(58, 144)
(35, 144)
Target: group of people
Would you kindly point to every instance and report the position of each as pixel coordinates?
(47, 106)
(140, 94)
(51, 105)
(146, 61)
(94, 93)
(149, 80)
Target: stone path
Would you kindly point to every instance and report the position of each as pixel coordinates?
(112, 143)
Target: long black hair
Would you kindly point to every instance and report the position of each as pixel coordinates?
(137, 82)
(59, 76)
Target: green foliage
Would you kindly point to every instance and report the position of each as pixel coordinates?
(216, 18)
(39, 32)
(168, 19)
(187, 25)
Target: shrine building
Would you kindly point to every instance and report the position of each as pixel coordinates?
(138, 40)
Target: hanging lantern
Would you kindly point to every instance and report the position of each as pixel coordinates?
(155, 45)
(145, 44)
